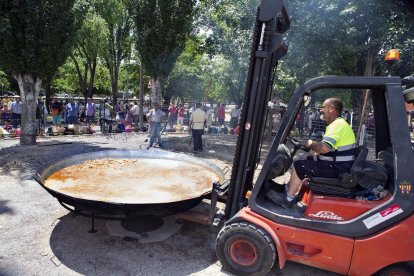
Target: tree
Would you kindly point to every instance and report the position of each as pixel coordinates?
(66, 80)
(229, 26)
(117, 15)
(4, 82)
(90, 43)
(35, 39)
(344, 37)
(161, 28)
(185, 80)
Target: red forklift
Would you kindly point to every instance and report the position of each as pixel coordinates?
(361, 223)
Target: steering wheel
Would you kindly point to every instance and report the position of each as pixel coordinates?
(297, 144)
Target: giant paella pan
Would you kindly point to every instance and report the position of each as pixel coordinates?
(129, 182)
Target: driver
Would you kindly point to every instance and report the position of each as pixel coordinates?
(335, 154)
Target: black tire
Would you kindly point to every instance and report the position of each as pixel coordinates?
(245, 249)
(396, 270)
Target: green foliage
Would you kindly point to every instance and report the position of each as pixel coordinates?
(102, 81)
(340, 37)
(285, 84)
(230, 25)
(185, 81)
(91, 42)
(335, 37)
(129, 77)
(66, 80)
(35, 36)
(162, 28)
(117, 15)
(4, 82)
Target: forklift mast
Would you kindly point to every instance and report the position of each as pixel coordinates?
(267, 49)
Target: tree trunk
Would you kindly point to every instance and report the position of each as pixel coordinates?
(156, 90)
(371, 64)
(29, 92)
(114, 73)
(91, 79)
(141, 97)
(81, 79)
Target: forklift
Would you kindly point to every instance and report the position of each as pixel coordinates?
(342, 225)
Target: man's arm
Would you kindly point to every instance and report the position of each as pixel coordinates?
(318, 147)
(190, 121)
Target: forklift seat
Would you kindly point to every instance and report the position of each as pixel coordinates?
(364, 174)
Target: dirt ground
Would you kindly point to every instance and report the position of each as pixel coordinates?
(40, 237)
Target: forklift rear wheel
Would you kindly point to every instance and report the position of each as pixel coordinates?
(245, 249)
(396, 270)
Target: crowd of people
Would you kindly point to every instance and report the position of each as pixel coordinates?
(10, 113)
(196, 118)
(61, 115)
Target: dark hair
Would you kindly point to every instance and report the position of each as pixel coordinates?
(337, 104)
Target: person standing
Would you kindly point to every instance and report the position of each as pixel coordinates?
(56, 109)
(39, 116)
(72, 111)
(171, 115)
(135, 113)
(197, 122)
(120, 111)
(82, 112)
(129, 115)
(5, 115)
(106, 115)
(311, 119)
(154, 117)
(216, 108)
(347, 117)
(16, 112)
(221, 114)
(209, 114)
(90, 112)
(234, 116)
(180, 115)
(65, 112)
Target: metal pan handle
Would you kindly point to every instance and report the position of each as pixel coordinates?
(66, 206)
(42, 161)
(221, 188)
(226, 169)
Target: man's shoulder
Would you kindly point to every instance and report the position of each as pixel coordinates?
(338, 122)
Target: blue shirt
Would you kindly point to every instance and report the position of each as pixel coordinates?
(16, 107)
(72, 109)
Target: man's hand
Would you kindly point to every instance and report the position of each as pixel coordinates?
(318, 147)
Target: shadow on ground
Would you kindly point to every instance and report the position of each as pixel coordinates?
(102, 254)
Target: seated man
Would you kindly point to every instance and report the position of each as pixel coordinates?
(335, 153)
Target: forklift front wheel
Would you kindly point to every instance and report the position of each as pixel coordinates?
(245, 249)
